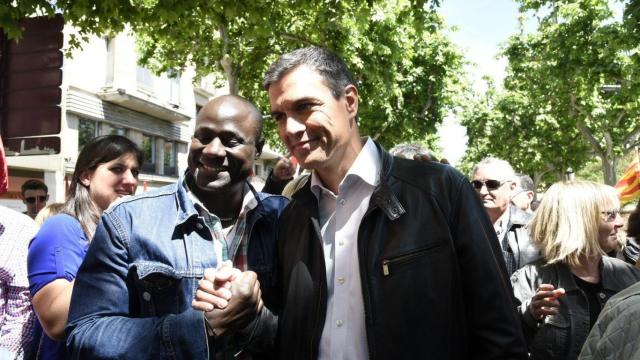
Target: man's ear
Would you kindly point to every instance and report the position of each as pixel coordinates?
(352, 100)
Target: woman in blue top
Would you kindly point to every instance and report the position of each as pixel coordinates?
(106, 169)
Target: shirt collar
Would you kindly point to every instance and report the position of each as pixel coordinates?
(366, 167)
(249, 201)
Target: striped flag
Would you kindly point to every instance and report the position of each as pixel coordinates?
(629, 185)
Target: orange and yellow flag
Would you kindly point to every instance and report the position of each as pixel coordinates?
(629, 185)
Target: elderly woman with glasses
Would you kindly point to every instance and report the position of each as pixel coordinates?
(560, 297)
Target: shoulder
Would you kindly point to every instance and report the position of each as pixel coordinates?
(60, 228)
(143, 201)
(60, 223)
(425, 173)
(272, 202)
(620, 270)
(519, 217)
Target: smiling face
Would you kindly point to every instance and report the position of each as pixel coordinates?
(609, 223)
(318, 129)
(224, 145)
(112, 180)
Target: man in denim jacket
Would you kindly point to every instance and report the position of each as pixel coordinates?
(133, 294)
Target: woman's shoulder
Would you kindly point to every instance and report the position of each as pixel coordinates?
(58, 227)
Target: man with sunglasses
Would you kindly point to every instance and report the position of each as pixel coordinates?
(495, 183)
(35, 195)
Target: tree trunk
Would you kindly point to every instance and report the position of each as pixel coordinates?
(609, 169)
(227, 62)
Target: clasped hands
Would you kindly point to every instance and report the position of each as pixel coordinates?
(229, 298)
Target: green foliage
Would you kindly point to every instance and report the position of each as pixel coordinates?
(408, 71)
(557, 91)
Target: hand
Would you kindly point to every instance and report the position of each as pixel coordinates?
(242, 308)
(214, 288)
(545, 301)
(284, 169)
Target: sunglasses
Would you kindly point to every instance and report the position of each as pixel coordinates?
(32, 199)
(610, 215)
(490, 184)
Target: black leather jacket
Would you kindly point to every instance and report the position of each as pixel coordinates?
(433, 278)
(562, 336)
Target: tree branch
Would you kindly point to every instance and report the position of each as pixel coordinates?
(619, 118)
(583, 128)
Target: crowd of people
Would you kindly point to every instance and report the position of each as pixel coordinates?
(365, 254)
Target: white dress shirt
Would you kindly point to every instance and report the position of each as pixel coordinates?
(344, 334)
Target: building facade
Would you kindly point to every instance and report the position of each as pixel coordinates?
(105, 91)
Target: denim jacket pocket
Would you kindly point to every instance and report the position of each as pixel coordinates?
(552, 339)
(158, 289)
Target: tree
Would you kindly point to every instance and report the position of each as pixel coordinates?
(408, 71)
(580, 68)
(505, 124)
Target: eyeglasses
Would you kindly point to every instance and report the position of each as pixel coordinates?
(610, 215)
(32, 199)
(490, 184)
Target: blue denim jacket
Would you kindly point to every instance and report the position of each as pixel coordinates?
(132, 296)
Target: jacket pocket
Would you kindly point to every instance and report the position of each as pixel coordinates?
(396, 263)
(159, 289)
(552, 340)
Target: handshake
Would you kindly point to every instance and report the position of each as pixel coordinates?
(230, 299)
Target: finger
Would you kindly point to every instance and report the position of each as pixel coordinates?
(216, 301)
(213, 289)
(546, 303)
(549, 311)
(559, 292)
(545, 287)
(209, 274)
(227, 273)
(543, 295)
(201, 305)
(245, 283)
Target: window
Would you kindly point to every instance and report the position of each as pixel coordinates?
(174, 86)
(87, 130)
(170, 158)
(108, 129)
(148, 150)
(144, 78)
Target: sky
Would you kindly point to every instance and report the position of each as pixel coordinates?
(482, 26)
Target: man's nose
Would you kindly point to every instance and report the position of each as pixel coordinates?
(293, 126)
(214, 148)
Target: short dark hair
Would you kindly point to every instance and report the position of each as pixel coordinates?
(330, 66)
(526, 183)
(34, 184)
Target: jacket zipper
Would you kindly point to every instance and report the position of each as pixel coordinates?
(402, 258)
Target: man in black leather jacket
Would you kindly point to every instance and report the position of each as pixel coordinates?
(411, 270)
(377, 257)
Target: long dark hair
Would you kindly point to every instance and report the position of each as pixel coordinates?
(97, 151)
